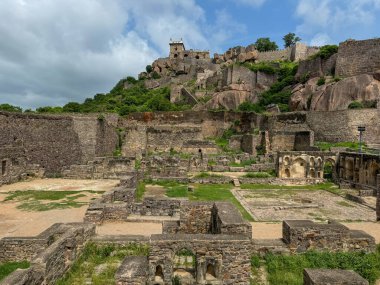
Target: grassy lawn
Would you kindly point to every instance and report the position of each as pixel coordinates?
(209, 192)
(39, 200)
(287, 270)
(325, 146)
(8, 267)
(99, 263)
(258, 175)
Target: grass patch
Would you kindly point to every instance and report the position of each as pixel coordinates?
(212, 192)
(325, 146)
(203, 192)
(37, 200)
(345, 204)
(8, 267)
(173, 189)
(140, 191)
(243, 163)
(286, 270)
(108, 256)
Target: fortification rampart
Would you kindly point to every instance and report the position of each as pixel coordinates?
(358, 57)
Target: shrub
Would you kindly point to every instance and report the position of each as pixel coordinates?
(321, 81)
(305, 77)
(10, 108)
(326, 51)
(356, 105)
(155, 75)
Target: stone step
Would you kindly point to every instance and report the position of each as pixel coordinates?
(236, 182)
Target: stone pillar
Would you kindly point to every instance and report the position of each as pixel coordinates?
(378, 199)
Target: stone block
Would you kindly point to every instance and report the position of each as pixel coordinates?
(332, 277)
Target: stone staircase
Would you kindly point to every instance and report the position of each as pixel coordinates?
(236, 182)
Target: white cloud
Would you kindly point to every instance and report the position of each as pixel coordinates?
(320, 40)
(337, 20)
(254, 3)
(53, 52)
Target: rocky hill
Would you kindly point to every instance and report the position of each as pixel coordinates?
(297, 78)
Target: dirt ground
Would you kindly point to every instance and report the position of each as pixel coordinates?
(16, 222)
(126, 228)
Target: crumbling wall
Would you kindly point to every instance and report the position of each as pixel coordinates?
(358, 57)
(195, 217)
(64, 244)
(230, 256)
(301, 236)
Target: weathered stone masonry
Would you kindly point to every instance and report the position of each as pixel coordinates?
(54, 141)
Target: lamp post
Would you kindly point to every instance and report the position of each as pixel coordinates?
(361, 129)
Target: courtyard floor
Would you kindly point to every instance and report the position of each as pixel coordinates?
(17, 214)
(295, 204)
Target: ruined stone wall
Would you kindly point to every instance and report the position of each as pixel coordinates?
(157, 207)
(304, 164)
(65, 242)
(102, 168)
(358, 57)
(284, 54)
(332, 126)
(195, 217)
(229, 255)
(54, 142)
(359, 170)
(15, 166)
(301, 236)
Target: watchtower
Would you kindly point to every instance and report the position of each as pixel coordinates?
(177, 48)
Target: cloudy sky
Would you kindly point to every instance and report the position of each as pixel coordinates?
(56, 51)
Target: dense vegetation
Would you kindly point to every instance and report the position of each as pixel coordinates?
(284, 270)
(119, 100)
(277, 94)
(8, 267)
(98, 263)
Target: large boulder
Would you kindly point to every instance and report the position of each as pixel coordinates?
(229, 99)
(333, 95)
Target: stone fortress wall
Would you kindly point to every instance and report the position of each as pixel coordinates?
(294, 53)
(358, 57)
(54, 142)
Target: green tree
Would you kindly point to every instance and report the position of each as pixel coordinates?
(149, 68)
(49, 109)
(265, 44)
(72, 107)
(290, 39)
(10, 108)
